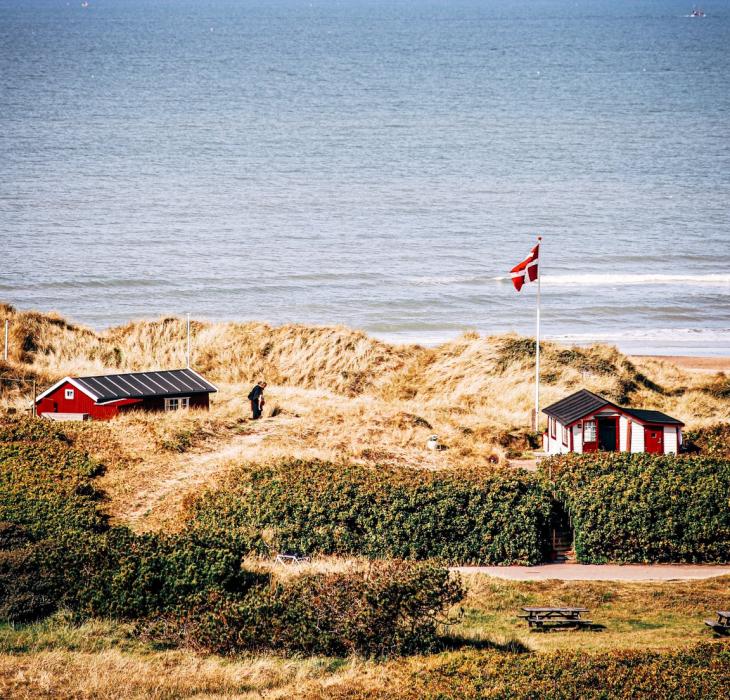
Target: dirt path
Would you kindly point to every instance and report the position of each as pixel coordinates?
(156, 502)
(599, 572)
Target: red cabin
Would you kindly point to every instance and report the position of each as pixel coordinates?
(105, 396)
(586, 422)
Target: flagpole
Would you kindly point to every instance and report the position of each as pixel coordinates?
(537, 343)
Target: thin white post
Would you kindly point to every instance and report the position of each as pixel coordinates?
(5, 356)
(188, 351)
(537, 343)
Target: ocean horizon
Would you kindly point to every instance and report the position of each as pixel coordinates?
(380, 165)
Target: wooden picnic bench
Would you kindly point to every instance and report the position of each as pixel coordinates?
(545, 618)
(286, 559)
(722, 624)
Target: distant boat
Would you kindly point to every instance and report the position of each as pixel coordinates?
(695, 12)
(84, 4)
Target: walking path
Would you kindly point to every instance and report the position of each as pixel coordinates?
(599, 572)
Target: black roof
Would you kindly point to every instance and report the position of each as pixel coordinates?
(651, 416)
(583, 402)
(575, 406)
(136, 385)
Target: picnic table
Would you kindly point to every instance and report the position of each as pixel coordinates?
(543, 618)
(722, 624)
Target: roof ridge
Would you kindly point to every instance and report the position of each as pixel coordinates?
(140, 371)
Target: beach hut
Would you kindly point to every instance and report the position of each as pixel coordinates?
(105, 396)
(587, 422)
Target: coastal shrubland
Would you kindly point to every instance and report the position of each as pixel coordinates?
(54, 557)
(462, 517)
(645, 508)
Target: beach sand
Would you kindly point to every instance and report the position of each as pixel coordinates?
(709, 365)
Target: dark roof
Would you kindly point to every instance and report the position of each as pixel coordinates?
(583, 402)
(651, 416)
(575, 406)
(136, 385)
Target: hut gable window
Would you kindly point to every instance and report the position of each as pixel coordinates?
(69, 394)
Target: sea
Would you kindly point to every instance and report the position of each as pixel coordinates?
(381, 164)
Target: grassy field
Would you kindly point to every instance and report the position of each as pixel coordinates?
(101, 659)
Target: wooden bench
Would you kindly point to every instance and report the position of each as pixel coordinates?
(722, 624)
(548, 618)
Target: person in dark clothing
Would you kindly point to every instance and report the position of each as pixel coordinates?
(256, 397)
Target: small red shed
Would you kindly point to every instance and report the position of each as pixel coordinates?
(104, 396)
(587, 422)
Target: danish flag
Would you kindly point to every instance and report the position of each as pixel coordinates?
(527, 267)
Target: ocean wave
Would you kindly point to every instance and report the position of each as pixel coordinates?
(585, 279)
(626, 280)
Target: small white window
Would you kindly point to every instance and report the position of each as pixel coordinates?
(176, 404)
(566, 435)
(69, 394)
(589, 431)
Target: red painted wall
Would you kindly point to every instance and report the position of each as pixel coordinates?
(56, 402)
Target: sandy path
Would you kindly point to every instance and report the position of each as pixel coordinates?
(599, 572)
(192, 471)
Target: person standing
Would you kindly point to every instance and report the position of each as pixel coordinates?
(256, 397)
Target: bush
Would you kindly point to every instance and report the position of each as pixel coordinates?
(713, 440)
(394, 608)
(696, 673)
(45, 485)
(646, 508)
(323, 508)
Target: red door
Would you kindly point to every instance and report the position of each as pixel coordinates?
(654, 440)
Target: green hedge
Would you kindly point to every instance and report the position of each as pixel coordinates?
(646, 508)
(312, 507)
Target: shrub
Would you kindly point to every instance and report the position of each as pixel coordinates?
(646, 508)
(479, 516)
(695, 673)
(713, 440)
(393, 608)
(45, 485)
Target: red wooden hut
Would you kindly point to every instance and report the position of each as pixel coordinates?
(103, 397)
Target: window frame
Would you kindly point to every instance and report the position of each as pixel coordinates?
(565, 434)
(69, 394)
(553, 427)
(594, 423)
(180, 403)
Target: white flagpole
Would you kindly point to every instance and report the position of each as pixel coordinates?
(537, 344)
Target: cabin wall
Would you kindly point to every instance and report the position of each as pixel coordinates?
(623, 434)
(157, 403)
(670, 439)
(578, 438)
(637, 437)
(56, 402)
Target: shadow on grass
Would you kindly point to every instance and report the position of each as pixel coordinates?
(455, 642)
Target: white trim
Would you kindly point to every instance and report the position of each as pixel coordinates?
(69, 394)
(60, 383)
(204, 380)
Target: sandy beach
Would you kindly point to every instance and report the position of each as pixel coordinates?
(709, 365)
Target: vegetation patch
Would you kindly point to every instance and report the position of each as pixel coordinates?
(479, 516)
(645, 508)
